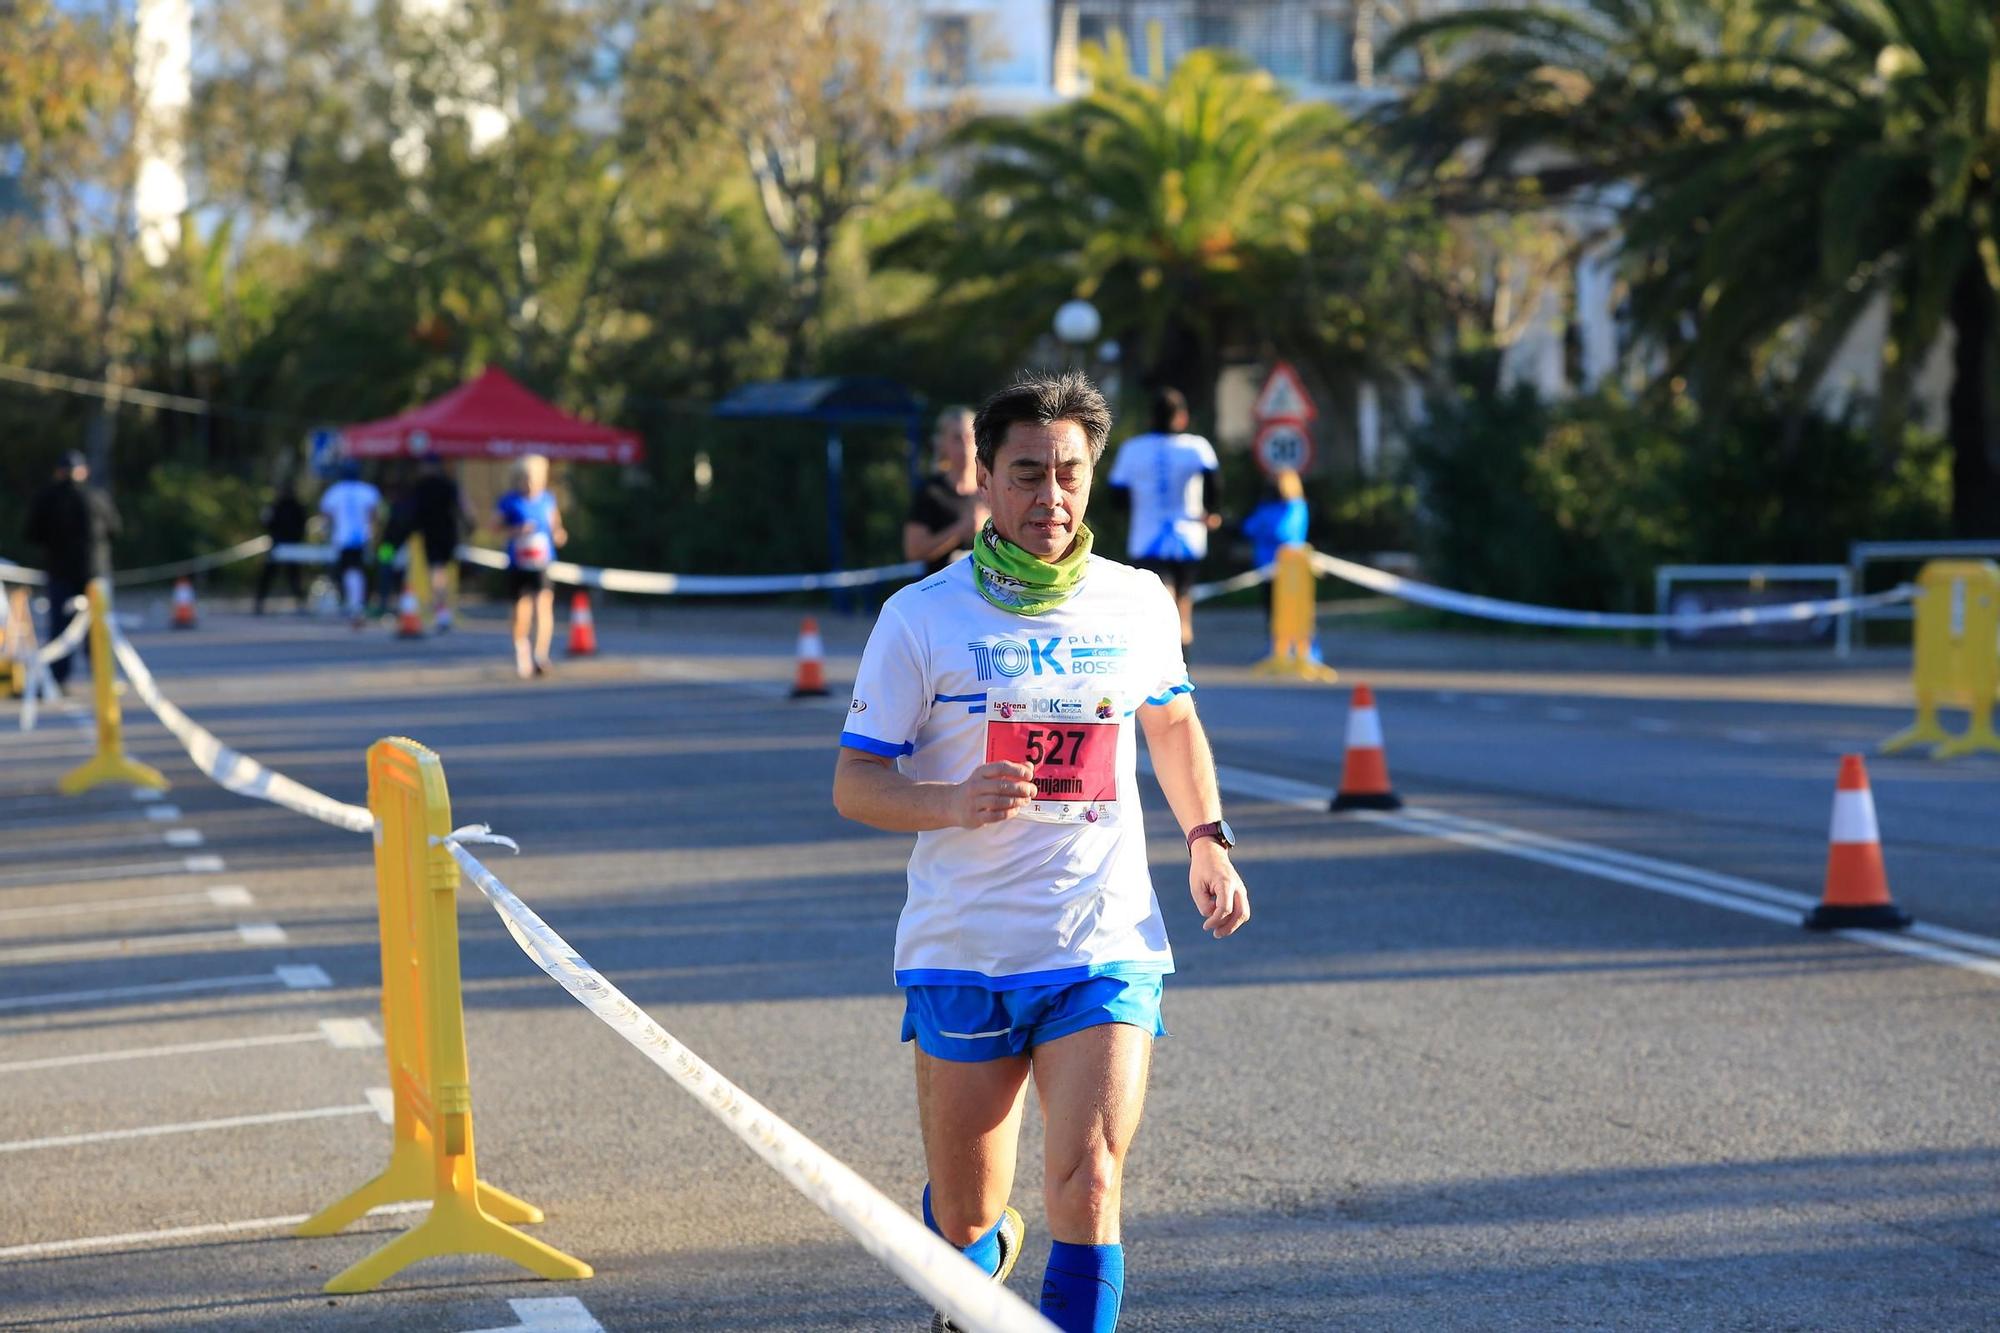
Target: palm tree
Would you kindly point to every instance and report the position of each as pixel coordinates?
(1185, 210)
(1791, 162)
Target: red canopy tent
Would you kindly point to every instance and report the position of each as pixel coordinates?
(492, 417)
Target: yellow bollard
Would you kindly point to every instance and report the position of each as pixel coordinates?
(1292, 620)
(423, 1022)
(110, 763)
(1957, 661)
(20, 639)
(417, 578)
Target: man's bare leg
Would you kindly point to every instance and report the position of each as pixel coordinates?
(524, 611)
(1092, 1086)
(971, 1118)
(545, 627)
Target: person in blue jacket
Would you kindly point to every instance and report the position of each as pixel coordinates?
(1279, 519)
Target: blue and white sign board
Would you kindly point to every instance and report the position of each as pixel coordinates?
(1283, 446)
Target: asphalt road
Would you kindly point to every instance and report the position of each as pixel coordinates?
(1548, 1051)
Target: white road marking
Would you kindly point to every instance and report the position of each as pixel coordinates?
(1654, 726)
(185, 1127)
(163, 814)
(350, 1034)
(149, 1052)
(1563, 713)
(183, 837)
(227, 895)
(1746, 735)
(293, 977)
(146, 795)
(42, 1249)
(1936, 944)
(383, 1103)
(258, 933)
(204, 865)
(97, 874)
(543, 1314)
(346, 1034)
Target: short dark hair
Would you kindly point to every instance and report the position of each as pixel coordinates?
(1168, 404)
(1042, 398)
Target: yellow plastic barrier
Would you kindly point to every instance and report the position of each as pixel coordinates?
(1957, 657)
(416, 889)
(417, 578)
(20, 639)
(110, 763)
(1292, 620)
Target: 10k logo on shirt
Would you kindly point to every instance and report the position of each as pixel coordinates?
(1057, 655)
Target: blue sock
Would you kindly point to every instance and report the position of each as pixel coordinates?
(985, 1251)
(1083, 1286)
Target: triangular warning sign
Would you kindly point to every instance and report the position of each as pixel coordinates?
(1283, 397)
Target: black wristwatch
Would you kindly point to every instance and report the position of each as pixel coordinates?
(1219, 830)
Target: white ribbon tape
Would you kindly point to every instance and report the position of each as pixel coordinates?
(229, 768)
(126, 578)
(1523, 613)
(42, 681)
(936, 1271)
(698, 585)
(1249, 578)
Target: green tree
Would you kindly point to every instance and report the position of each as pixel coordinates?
(1788, 163)
(1206, 215)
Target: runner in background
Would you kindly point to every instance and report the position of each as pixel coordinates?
(1173, 484)
(391, 560)
(946, 513)
(349, 505)
(285, 524)
(534, 529)
(441, 515)
(73, 522)
(996, 716)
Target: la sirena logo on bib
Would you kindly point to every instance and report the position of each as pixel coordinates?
(1006, 709)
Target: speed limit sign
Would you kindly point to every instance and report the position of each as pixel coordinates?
(1283, 446)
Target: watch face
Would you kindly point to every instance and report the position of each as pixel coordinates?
(1228, 834)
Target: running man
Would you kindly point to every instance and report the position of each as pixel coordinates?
(441, 514)
(1173, 483)
(994, 717)
(349, 505)
(534, 528)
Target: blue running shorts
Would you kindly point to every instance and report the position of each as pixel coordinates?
(971, 1023)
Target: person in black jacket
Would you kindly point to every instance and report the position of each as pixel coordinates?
(73, 523)
(285, 521)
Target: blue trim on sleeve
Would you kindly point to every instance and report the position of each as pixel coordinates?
(854, 740)
(1055, 976)
(979, 697)
(1185, 687)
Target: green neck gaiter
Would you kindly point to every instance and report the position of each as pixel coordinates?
(1013, 580)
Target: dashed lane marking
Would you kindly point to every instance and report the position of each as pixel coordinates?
(185, 865)
(223, 895)
(183, 837)
(545, 1314)
(383, 1103)
(47, 1248)
(348, 1034)
(291, 976)
(186, 1127)
(263, 934)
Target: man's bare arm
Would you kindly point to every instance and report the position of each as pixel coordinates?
(869, 789)
(1186, 770)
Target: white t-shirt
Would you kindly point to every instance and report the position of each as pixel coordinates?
(1163, 474)
(350, 508)
(1023, 902)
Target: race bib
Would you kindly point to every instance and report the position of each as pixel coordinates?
(534, 550)
(1071, 743)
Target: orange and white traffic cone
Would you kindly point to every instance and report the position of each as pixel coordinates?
(184, 614)
(1364, 776)
(1857, 885)
(582, 629)
(409, 620)
(810, 682)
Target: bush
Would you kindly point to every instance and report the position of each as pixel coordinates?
(183, 511)
(1575, 503)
